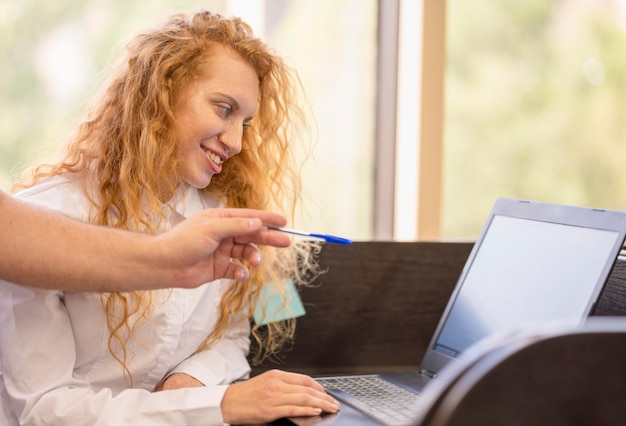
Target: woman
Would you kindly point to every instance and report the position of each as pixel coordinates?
(199, 115)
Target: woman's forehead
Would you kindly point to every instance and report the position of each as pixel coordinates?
(224, 71)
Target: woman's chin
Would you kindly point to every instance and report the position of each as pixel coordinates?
(199, 183)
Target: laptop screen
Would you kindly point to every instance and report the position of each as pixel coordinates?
(525, 272)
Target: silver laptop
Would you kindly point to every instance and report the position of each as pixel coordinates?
(533, 263)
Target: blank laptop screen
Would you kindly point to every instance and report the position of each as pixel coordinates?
(525, 272)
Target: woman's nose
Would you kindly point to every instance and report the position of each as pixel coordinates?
(232, 138)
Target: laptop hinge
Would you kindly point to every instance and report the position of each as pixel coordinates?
(428, 373)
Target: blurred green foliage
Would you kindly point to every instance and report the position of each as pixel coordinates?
(535, 96)
(53, 54)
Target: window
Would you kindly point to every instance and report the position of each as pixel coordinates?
(55, 51)
(332, 44)
(534, 102)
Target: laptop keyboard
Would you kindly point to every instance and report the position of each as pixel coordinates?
(388, 403)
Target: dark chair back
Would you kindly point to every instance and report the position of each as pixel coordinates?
(570, 376)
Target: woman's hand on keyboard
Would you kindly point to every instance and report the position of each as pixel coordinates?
(273, 395)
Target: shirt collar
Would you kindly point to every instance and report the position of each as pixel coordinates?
(189, 201)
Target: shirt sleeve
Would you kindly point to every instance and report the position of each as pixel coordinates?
(224, 362)
(40, 385)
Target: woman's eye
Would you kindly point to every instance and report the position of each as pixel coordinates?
(225, 110)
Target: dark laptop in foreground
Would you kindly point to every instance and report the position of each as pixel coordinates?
(533, 263)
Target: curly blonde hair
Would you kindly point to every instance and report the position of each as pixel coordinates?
(126, 149)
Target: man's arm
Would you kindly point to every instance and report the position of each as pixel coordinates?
(46, 249)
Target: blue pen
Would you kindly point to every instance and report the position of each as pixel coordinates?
(328, 238)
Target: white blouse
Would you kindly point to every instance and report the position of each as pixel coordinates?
(56, 367)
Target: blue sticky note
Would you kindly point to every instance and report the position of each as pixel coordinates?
(270, 307)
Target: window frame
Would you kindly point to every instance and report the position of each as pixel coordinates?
(425, 194)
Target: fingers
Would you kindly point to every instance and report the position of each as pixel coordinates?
(299, 379)
(275, 394)
(245, 230)
(245, 225)
(252, 254)
(249, 252)
(297, 393)
(237, 272)
(265, 237)
(307, 403)
(266, 218)
(233, 227)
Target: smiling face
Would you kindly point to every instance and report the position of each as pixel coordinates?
(212, 114)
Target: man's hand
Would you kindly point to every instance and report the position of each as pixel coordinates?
(208, 245)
